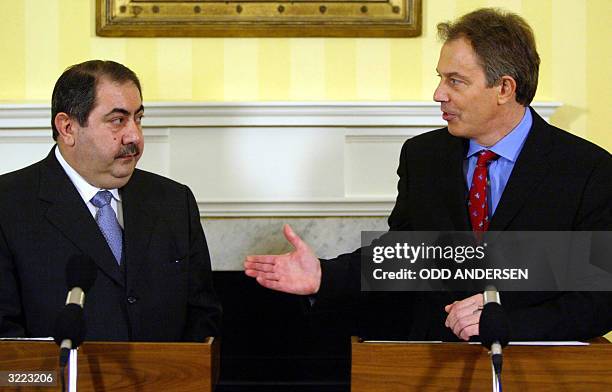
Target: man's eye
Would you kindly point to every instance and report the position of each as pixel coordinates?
(116, 121)
(139, 118)
(455, 81)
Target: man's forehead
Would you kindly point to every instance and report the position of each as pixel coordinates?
(122, 94)
(457, 56)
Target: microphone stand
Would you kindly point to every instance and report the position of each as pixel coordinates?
(492, 295)
(72, 371)
(496, 364)
(496, 381)
(70, 327)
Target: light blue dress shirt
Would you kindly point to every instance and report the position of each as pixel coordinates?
(508, 149)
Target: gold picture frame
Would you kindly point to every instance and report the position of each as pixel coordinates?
(258, 18)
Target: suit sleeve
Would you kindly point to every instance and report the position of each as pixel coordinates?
(575, 315)
(11, 316)
(596, 213)
(204, 308)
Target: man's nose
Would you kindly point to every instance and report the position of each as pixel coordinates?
(133, 133)
(440, 94)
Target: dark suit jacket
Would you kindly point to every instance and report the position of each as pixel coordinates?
(162, 292)
(559, 183)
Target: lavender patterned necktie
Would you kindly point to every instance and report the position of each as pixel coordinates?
(108, 223)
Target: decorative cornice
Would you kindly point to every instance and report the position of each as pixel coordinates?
(268, 114)
(330, 207)
(364, 122)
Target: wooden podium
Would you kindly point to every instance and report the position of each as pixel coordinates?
(121, 366)
(467, 367)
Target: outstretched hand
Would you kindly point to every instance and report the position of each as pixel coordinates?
(296, 272)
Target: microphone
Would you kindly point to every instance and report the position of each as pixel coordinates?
(494, 328)
(70, 325)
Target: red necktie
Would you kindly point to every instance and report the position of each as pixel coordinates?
(478, 203)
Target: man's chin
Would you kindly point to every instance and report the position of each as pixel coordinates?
(119, 178)
(120, 182)
(457, 131)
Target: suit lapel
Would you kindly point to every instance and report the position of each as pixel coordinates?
(529, 170)
(139, 223)
(451, 184)
(69, 214)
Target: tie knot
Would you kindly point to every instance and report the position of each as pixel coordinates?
(485, 157)
(101, 199)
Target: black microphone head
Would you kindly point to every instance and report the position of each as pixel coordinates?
(70, 324)
(80, 272)
(494, 325)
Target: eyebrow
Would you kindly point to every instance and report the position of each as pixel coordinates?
(452, 74)
(124, 111)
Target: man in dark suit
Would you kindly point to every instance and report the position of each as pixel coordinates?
(142, 230)
(541, 178)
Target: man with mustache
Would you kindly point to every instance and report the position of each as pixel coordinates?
(142, 230)
(539, 178)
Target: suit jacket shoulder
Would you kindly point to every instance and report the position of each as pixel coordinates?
(560, 182)
(24, 180)
(161, 292)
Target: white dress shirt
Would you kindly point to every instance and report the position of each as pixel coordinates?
(88, 191)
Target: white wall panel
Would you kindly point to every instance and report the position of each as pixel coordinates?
(261, 159)
(260, 163)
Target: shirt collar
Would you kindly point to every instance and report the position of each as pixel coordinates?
(85, 189)
(510, 145)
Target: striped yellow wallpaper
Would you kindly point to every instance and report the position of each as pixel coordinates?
(41, 38)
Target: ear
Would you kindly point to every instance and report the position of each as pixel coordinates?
(65, 127)
(507, 90)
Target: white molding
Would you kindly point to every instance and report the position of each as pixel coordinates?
(362, 122)
(27, 115)
(381, 206)
(378, 138)
(268, 114)
(36, 135)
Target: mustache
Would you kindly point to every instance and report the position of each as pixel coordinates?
(128, 150)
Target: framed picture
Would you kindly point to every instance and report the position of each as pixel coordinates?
(258, 18)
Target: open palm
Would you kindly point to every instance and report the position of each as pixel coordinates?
(296, 272)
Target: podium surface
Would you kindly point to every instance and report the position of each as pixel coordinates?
(120, 366)
(467, 367)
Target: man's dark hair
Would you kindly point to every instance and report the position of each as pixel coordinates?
(75, 91)
(505, 45)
